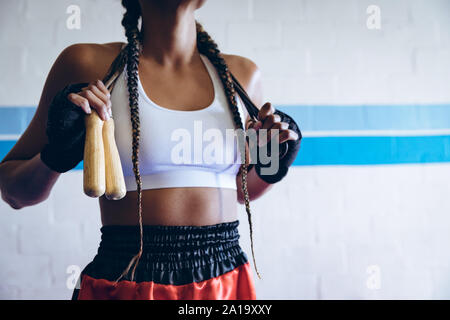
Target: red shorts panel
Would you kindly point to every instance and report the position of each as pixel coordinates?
(234, 285)
(178, 263)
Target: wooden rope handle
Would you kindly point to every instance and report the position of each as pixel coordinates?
(94, 157)
(102, 169)
(115, 181)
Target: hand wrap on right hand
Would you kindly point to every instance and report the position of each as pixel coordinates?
(65, 130)
(288, 152)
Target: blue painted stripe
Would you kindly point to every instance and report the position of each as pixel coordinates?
(373, 150)
(336, 150)
(373, 117)
(6, 146)
(14, 120)
(357, 150)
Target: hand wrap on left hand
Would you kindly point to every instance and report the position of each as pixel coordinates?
(65, 131)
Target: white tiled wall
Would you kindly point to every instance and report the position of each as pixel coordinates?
(318, 231)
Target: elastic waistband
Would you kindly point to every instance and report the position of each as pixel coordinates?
(158, 238)
(171, 254)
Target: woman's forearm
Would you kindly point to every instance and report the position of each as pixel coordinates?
(255, 185)
(26, 182)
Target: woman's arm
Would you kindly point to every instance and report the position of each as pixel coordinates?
(249, 75)
(26, 182)
(24, 179)
(255, 185)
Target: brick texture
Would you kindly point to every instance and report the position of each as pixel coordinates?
(319, 230)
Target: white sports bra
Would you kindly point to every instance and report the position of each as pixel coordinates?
(178, 148)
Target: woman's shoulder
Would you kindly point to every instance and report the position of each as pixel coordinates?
(85, 62)
(242, 68)
(248, 74)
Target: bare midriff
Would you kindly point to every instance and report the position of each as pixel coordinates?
(172, 206)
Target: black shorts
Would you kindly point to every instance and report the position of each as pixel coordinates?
(178, 262)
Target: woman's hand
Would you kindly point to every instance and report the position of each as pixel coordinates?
(95, 96)
(288, 134)
(66, 129)
(270, 121)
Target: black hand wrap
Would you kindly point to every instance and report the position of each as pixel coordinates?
(288, 152)
(65, 130)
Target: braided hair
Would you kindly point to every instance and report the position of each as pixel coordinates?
(207, 47)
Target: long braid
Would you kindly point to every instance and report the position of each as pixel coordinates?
(130, 23)
(209, 48)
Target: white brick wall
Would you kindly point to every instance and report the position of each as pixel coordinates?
(335, 221)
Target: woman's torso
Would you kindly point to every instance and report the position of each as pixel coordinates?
(187, 90)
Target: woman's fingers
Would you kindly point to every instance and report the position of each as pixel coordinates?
(288, 135)
(250, 124)
(102, 87)
(271, 122)
(265, 110)
(80, 101)
(106, 94)
(98, 92)
(98, 98)
(272, 132)
(97, 104)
